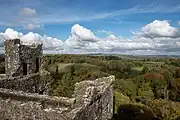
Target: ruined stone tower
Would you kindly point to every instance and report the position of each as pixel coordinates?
(22, 59)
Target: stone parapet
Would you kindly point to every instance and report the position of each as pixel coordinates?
(92, 100)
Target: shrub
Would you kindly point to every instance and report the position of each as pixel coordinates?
(165, 110)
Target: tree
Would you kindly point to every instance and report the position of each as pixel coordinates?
(158, 84)
(145, 70)
(164, 110)
(177, 73)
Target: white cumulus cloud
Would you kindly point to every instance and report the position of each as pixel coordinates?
(159, 29)
(29, 38)
(82, 33)
(80, 37)
(11, 34)
(158, 37)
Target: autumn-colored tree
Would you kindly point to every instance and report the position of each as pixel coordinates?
(158, 84)
(152, 76)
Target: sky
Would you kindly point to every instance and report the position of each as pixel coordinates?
(137, 27)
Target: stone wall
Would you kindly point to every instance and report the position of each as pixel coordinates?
(18, 105)
(29, 54)
(12, 59)
(92, 100)
(2, 76)
(28, 83)
(17, 54)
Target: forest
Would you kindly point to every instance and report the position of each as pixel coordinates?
(146, 87)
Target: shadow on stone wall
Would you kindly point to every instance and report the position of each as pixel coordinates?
(178, 118)
(133, 112)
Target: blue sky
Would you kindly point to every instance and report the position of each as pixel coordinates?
(58, 16)
(103, 17)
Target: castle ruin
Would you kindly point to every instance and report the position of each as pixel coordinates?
(22, 59)
(25, 93)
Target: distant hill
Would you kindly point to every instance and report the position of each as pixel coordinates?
(135, 56)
